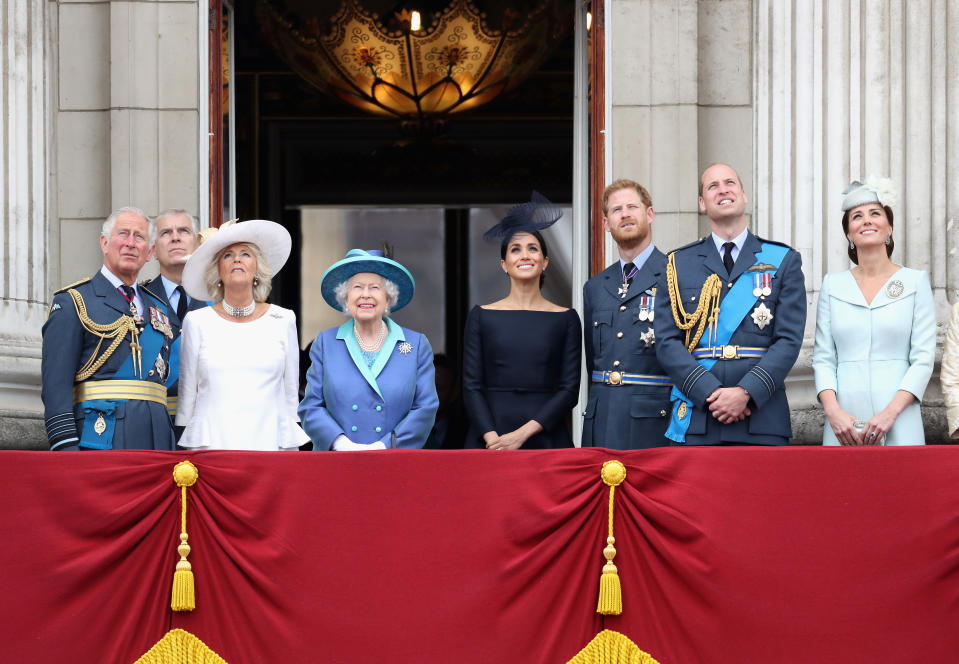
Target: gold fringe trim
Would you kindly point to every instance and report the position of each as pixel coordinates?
(183, 597)
(610, 601)
(180, 647)
(707, 311)
(117, 331)
(609, 647)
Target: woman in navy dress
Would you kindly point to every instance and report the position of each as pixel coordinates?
(521, 365)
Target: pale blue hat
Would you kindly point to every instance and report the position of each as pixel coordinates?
(359, 260)
(872, 190)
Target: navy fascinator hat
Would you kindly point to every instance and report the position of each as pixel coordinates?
(536, 215)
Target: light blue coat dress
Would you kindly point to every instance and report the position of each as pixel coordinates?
(867, 352)
(393, 401)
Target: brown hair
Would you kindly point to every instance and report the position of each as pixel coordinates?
(851, 250)
(617, 185)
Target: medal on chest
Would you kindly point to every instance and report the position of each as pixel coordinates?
(647, 306)
(762, 316)
(648, 337)
(160, 322)
(762, 284)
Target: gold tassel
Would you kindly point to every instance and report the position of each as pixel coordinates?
(610, 593)
(183, 598)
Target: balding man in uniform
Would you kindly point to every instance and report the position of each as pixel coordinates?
(729, 325)
(106, 351)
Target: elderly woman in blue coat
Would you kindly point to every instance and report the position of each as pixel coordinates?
(875, 331)
(370, 385)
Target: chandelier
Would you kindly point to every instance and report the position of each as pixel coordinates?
(419, 75)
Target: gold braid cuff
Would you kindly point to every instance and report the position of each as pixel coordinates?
(117, 331)
(707, 310)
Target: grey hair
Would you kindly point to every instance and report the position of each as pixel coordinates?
(107, 227)
(264, 275)
(392, 294)
(176, 212)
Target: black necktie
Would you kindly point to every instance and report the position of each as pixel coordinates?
(728, 257)
(181, 304)
(627, 273)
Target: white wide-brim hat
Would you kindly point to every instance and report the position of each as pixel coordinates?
(273, 240)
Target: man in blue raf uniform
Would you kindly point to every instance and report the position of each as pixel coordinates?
(106, 351)
(729, 325)
(176, 232)
(629, 392)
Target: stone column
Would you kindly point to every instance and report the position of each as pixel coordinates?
(23, 220)
(652, 54)
(846, 90)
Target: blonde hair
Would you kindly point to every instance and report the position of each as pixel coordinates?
(262, 283)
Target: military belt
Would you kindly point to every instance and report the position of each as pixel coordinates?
(622, 378)
(728, 352)
(141, 390)
(171, 404)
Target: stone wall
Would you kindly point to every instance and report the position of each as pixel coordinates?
(101, 109)
(800, 98)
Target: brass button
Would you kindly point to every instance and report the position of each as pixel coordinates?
(595, 323)
(619, 335)
(616, 363)
(729, 285)
(623, 308)
(151, 372)
(692, 298)
(662, 413)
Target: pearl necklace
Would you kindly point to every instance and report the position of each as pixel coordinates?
(239, 312)
(373, 347)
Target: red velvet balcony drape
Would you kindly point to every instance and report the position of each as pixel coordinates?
(725, 555)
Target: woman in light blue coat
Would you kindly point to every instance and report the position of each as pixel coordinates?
(371, 383)
(875, 332)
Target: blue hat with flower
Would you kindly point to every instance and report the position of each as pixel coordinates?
(359, 260)
(872, 190)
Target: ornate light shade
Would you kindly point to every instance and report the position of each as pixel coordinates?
(420, 76)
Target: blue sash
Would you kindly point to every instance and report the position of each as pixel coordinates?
(737, 303)
(151, 342)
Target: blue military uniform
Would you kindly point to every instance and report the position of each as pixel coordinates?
(157, 289)
(629, 392)
(761, 349)
(104, 373)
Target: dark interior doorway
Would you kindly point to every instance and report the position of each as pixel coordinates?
(296, 148)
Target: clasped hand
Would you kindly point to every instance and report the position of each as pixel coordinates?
(729, 404)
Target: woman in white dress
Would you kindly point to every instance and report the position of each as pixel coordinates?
(239, 359)
(875, 332)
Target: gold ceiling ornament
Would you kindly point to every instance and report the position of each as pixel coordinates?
(420, 77)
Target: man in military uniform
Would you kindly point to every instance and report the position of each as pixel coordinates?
(729, 325)
(176, 232)
(629, 392)
(106, 351)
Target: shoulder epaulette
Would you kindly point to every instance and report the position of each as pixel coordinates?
(143, 286)
(75, 283)
(781, 244)
(687, 246)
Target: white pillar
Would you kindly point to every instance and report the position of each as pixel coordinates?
(23, 215)
(845, 90)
